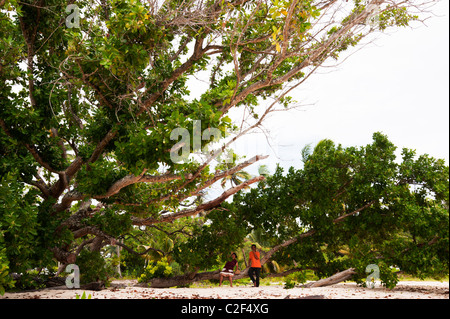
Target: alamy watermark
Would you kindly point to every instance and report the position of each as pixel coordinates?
(373, 19)
(181, 151)
(73, 279)
(73, 19)
(373, 279)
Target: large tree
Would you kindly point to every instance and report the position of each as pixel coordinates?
(92, 91)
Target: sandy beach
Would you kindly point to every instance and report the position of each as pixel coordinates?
(127, 289)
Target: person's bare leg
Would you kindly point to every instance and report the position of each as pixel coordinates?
(220, 282)
(231, 281)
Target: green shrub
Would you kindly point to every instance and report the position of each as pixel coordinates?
(5, 280)
(93, 267)
(289, 284)
(158, 269)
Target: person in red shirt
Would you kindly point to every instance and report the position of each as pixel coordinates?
(255, 266)
(228, 270)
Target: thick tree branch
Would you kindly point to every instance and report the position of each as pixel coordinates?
(42, 187)
(38, 158)
(131, 179)
(74, 195)
(196, 55)
(223, 174)
(341, 218)
(102, 144)
(137, 253)
(64, 177)
(194, 211)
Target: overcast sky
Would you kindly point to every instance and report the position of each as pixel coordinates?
(398, 85)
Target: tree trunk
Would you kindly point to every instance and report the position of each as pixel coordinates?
(245, 259)
(336, 278)
(118, 257)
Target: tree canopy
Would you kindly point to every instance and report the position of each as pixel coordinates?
(91, 93)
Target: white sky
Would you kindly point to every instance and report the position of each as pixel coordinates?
(399, 85)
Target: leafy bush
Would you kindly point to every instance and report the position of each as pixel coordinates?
(131, 264)
(5, 280)
(289, 284)
(298, 277)
(159, 269)
(93, 267)
(18, 229)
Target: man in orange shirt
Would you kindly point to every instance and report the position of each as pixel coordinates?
(255, 266)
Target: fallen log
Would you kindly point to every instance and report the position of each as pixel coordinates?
(336, 278)
(96, 286)
(183, 280)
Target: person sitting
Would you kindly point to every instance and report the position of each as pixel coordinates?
(228, 270)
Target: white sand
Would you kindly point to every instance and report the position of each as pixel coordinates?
(126, 289)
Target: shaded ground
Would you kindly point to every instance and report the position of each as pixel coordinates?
(126, 289)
